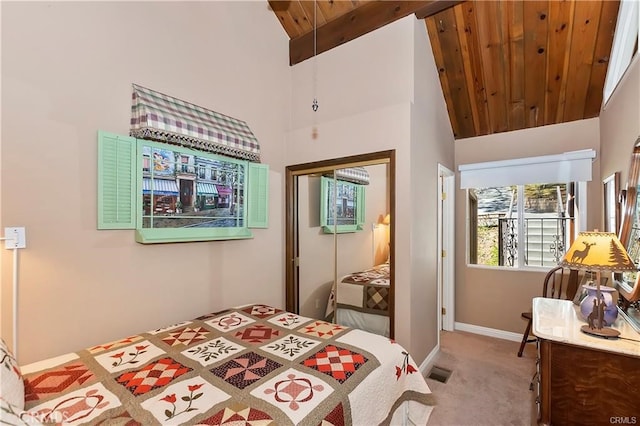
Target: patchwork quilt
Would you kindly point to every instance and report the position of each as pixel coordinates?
(253, 365)
(364, 291)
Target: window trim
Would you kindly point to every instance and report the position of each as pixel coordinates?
(147, 235)
(580, 220)
(120, 193)
(327, 228)
(573, 166)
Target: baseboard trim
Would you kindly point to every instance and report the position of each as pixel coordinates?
(426, 364)
(486, 331)
(470, 328)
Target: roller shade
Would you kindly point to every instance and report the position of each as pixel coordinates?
(159, 117)
(574, 166)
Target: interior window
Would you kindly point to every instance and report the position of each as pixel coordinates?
(159, 190)
(174, 196)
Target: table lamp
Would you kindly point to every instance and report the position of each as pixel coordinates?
(597, 252)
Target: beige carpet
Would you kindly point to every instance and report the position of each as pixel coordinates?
(489, 384)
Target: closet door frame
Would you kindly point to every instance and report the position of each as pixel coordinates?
(292, 252)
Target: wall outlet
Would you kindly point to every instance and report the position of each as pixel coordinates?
(15, 237)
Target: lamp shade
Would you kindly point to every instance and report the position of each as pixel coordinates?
(387, 219)
(598, 251)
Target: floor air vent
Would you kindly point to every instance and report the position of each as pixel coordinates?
(440, 374)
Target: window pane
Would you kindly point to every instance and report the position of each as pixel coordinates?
(545, 222)
(345, 203)
(178, 193)
(503, 233)
(495, 226)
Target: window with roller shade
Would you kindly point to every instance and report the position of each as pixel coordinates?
(525, 212)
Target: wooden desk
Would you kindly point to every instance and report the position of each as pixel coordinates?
(583, 379)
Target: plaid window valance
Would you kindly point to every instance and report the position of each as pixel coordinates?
(163, 118)
(357, 175)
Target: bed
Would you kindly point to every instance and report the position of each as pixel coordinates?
(254, 364)
(363, 300)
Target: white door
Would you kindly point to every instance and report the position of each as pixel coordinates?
(446, 239)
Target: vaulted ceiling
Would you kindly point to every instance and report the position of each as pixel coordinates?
(503, 65)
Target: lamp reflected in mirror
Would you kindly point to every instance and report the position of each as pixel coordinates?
(318, 288)
(381, 239)
(598, 252)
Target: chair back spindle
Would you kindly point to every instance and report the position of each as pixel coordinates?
(553, 282)
(552, 287)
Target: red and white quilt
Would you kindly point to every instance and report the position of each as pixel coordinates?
(364, 291)
(253, 365)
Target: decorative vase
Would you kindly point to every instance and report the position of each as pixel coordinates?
(606, 296)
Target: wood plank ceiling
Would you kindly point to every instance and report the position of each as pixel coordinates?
(503, 65)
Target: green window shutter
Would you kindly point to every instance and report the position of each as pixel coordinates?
(116, 181)
(258, 196)
(361, 206)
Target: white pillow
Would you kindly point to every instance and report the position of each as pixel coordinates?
(11, 415)
(11, 383)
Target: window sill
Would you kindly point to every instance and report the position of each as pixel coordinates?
(181, 235)
(509, 269)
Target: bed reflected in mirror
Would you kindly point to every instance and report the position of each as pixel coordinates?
(362, 283)
(339, 241)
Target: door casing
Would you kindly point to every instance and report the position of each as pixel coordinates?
(291, 219)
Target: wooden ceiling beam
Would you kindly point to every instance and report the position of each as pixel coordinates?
(362, 20)
(435, 7)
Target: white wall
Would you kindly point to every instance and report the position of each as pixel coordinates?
(432, 143)
(366, 92)
(495, 297)
(620, 124)
(67, 69)
(355, 250)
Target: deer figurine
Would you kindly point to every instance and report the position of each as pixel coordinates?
(580, 255)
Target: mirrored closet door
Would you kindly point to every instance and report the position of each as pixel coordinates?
(628, 283)
(340, 240)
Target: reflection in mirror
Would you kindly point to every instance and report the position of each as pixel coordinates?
(628, 284)
(316, 264)
(362, 283)
(338, 243)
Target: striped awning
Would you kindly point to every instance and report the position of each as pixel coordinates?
(223, 190)
(163, 118)
(204, 188)
(357, 175)
(160, 187)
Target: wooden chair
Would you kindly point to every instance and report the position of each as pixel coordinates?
(551, 287)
